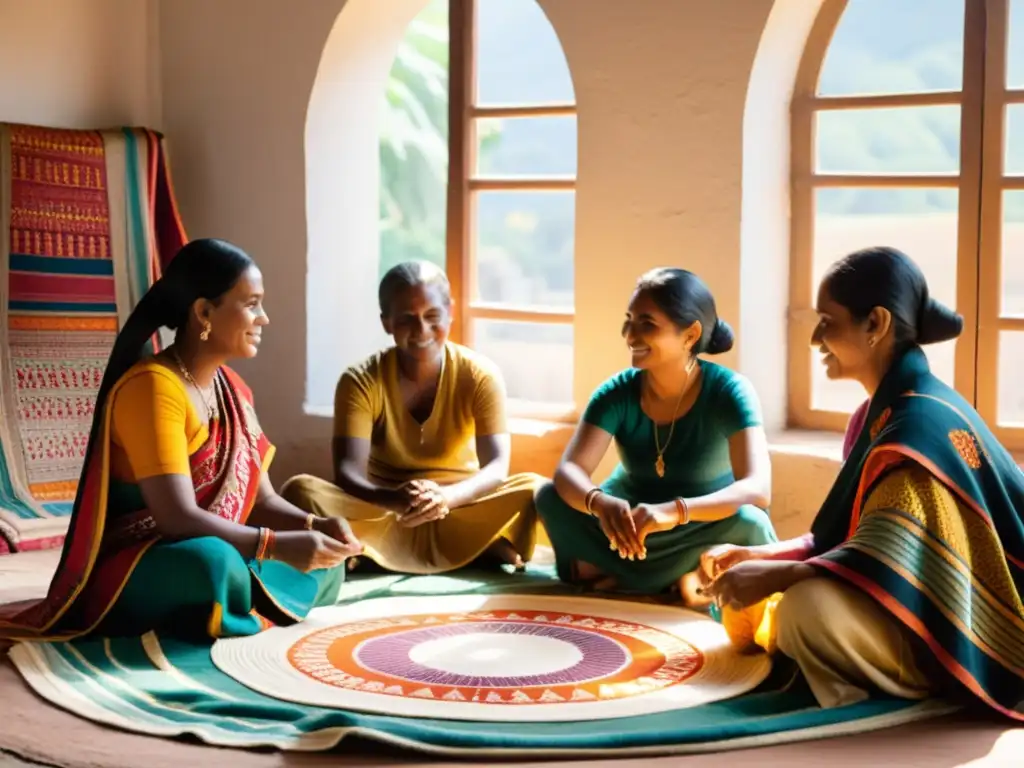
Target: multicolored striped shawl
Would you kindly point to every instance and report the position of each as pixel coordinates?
(936, 586)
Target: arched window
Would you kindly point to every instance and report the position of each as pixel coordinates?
(908, 130)
(478, 173)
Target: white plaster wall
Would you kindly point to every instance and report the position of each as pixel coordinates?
(80, 63)
(342, 178)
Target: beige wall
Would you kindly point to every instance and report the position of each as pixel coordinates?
(79, 63)
(661, 89)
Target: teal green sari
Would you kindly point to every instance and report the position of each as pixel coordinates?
(697, 462)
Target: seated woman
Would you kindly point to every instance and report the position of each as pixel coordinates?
(912, 574)
(176, 525)
(694, 469)
(421, 447)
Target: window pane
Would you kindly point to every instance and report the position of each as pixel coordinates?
(526, 146)
(519, 58)
(524, 247)
(548, 377)
(892, 140)
(895, 46)
(414, 144)
(1013, 255)
(1015, 47)
(920, 222)
(827, 395)
(1011, 374)
(1014, 162)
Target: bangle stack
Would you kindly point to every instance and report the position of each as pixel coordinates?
(588, 501)
(310, 519)
(265, 548)
(682, 511)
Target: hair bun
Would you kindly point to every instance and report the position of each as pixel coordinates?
(938, 323)
(722, 338)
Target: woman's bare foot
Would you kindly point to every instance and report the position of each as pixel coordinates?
(588, 575)
(364, 566)
(607, 584)
(690, 591)
(584, 571)
(503, 552)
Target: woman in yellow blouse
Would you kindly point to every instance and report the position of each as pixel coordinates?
(176, 526)
(421, 445)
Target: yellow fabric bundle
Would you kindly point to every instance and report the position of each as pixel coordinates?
(753, 626)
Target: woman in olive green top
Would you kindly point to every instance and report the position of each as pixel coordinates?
(694, 468)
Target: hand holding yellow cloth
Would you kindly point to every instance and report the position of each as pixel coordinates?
(753, 626)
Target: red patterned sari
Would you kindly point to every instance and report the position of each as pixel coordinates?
(112, 536)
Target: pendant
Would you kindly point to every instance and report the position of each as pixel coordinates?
(659, 466)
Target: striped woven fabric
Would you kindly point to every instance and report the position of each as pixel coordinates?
(164, 687)
(83, 218)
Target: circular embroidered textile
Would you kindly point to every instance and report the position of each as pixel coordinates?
(497, 658)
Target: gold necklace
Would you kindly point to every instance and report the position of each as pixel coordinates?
(659, 463)
(208, 401)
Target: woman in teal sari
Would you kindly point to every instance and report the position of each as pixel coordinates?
(176, 526)
(911, 579)
(694, 466)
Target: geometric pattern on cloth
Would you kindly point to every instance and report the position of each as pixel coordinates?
(61, 301)
(78, 248)
(61, 309)
(163, 687)
(59, 363)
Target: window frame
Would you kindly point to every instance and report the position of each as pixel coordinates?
(464, 183)
(980, 182)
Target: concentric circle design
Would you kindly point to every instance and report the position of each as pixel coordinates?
(492, 654)
(505, 658)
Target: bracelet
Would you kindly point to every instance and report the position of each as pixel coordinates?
(682, 512)
(271, 545)
(588, 501)
(265, 548)
(261, 546)
(310, 520)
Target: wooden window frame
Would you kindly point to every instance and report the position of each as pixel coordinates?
(464, 183)
(980, 183)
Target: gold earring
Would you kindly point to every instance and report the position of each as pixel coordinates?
(205, 335)
(871, 341)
